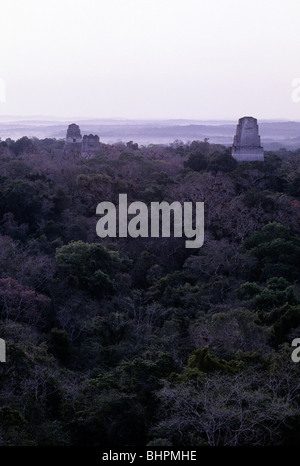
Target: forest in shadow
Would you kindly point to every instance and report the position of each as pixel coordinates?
(141, 341)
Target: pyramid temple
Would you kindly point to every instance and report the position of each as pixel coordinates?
(85, 146)
(246, 144)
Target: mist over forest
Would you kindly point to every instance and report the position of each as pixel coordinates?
(274, 134)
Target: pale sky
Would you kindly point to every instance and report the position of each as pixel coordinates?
(201, 59)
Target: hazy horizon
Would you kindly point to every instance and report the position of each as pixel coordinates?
(150, 59)
(55, 118)
(274, 134)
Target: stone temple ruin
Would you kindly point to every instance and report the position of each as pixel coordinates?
(85, 146)
(90, 144)
(246, 144)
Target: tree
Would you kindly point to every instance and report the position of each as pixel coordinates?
(277, 252)
(23, 144)
(20, 303)
(230, 331)
(90, 266)
(222, 162)
(223, 410)
(196, 162)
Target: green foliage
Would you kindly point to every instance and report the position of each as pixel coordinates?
(204, 361)
(288, 317)
(143, 341)
(277, 292)
(23, 144)
(277, 252)
(222, 162)
(248, 290)
(90, 266)
(11, 418)
(21, 198)
(293, 188)
(172, 280)
(256, 198)
(268, 233)
(196, 162)
(12, 424)
(129, 156)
